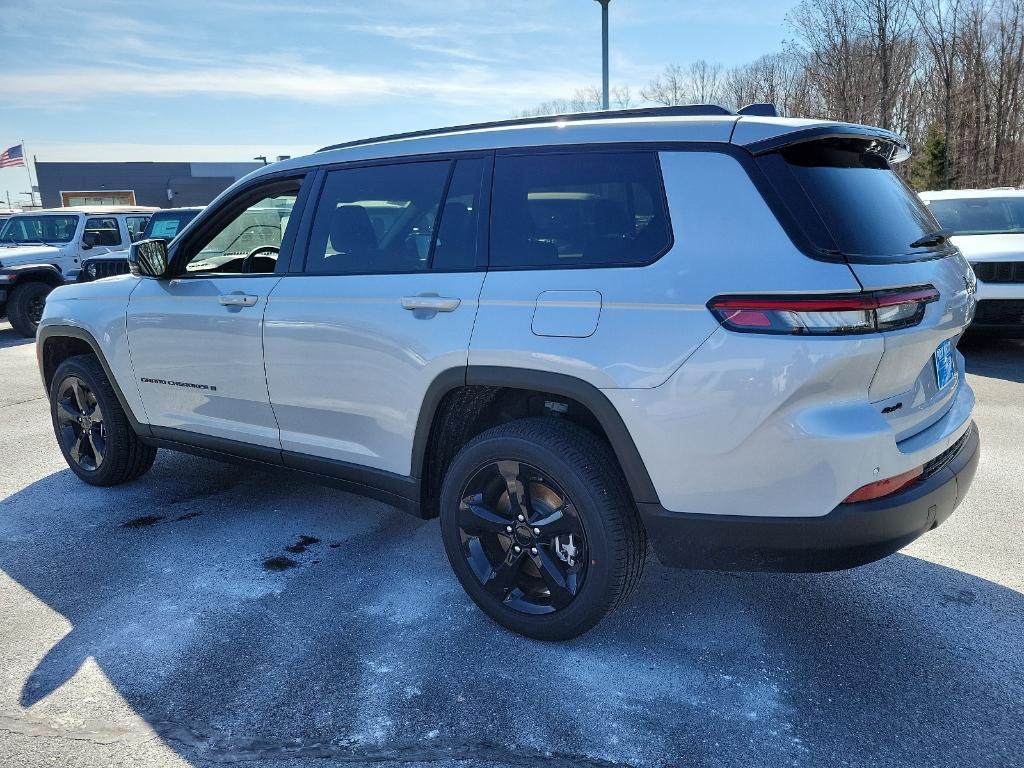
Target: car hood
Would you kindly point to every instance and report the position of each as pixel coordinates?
(119, 254)
(11, 256)
(976, 247)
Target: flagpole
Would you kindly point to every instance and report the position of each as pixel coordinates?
(28, 170)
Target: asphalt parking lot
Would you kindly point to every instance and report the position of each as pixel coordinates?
(210, 614)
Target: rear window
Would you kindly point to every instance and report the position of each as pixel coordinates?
(980, 215)
(866, 208)
(578, 209)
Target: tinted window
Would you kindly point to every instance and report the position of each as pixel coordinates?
(377, 218)
(102, 231)
(136, 225)
(456, 243)
(39, 229)
(250, 241)
(980, 215)
(866, 207)
(578, 210)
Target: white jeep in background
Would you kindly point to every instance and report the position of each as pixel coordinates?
(40, 250)
(987, 225)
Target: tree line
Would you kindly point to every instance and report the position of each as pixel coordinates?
(946, 74)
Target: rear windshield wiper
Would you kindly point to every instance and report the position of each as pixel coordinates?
(938, 237)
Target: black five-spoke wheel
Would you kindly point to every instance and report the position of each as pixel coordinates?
(540, 528)
(80, 423)
(522, 537)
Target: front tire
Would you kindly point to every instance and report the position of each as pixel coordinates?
(540, 528)
(25, 307)
(92, 429)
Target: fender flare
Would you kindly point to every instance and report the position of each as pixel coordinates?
(47, 332)
(583, 392)
(18, 273)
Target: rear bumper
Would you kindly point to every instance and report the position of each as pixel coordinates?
(848, 536)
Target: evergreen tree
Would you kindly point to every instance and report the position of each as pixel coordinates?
(929, 169)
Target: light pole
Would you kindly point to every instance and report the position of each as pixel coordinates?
(604, 53)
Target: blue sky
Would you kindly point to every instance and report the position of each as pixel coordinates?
(229, 79)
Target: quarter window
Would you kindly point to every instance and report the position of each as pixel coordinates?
(103, 232)
(578, 209)
(377, 218)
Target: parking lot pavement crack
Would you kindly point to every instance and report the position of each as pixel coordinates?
(209, 748)
(22, 402)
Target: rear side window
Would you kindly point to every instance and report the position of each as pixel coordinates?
(377, 218)
(866, 208)
(578, 209)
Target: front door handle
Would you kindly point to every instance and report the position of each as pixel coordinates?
(431, 303)
(237, 299)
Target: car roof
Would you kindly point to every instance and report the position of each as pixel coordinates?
(961, 194)
(93, 209)
(182, 208)
(703, 124)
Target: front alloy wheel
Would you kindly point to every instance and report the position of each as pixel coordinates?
(80, 424)
(522, 537)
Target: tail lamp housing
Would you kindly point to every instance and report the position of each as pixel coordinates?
(824, 314)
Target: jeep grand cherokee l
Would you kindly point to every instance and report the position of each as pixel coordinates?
(729, 335)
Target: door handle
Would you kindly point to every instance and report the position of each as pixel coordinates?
(431, 303)
(237, 299)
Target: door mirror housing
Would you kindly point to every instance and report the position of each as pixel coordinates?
(148, 258)
(88, 240)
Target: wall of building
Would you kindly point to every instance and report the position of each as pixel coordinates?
(190, 183)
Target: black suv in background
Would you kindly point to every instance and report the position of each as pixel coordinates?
(163, 224)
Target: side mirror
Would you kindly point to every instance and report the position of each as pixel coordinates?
(148, 258)
(88, 240)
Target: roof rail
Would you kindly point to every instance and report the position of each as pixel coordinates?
(690, 110)
(759, 110)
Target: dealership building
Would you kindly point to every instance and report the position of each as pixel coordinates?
(165, 185)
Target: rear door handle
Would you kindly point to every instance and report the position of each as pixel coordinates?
(431, 303)
(237, 299)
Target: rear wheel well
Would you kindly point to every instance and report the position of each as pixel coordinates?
(57, 349)
(466, 411)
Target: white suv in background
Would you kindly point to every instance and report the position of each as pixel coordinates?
(40, 250)
(729, 335)
(987, 225)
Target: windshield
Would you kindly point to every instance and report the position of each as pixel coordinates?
(980, 215)
(168, 224)
(39, 229)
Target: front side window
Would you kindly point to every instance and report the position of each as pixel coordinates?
(167, 224)
(980, 215)
(102, 231)
(136, 226)
(377, 219)
(578, 209)
(38, 229)
(250, 241)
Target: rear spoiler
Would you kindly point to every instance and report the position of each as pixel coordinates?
(891, 146)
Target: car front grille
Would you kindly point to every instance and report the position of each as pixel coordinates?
(97, 269)
(1000, 312)
(999, 271)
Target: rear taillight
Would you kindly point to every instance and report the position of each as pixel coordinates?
(880, 488)
(825, 314)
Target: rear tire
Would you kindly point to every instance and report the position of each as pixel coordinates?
(581, 546)
(25, 307)
(92, 430)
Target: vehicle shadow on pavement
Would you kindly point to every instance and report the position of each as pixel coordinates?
(10, 337)
(245, 616)
(994, 358)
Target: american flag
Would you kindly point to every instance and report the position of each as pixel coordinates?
(12, 157)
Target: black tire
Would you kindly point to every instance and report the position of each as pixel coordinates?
(574, 464)
(25, 307)
(96, 438)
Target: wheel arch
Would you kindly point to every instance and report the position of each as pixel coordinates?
(458, 397)
(56, 343)
(34, 273)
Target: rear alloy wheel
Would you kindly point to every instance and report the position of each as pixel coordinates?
(25, 308)
(92, 429)
(540, 527)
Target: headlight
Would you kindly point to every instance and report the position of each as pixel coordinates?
(91, 269)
